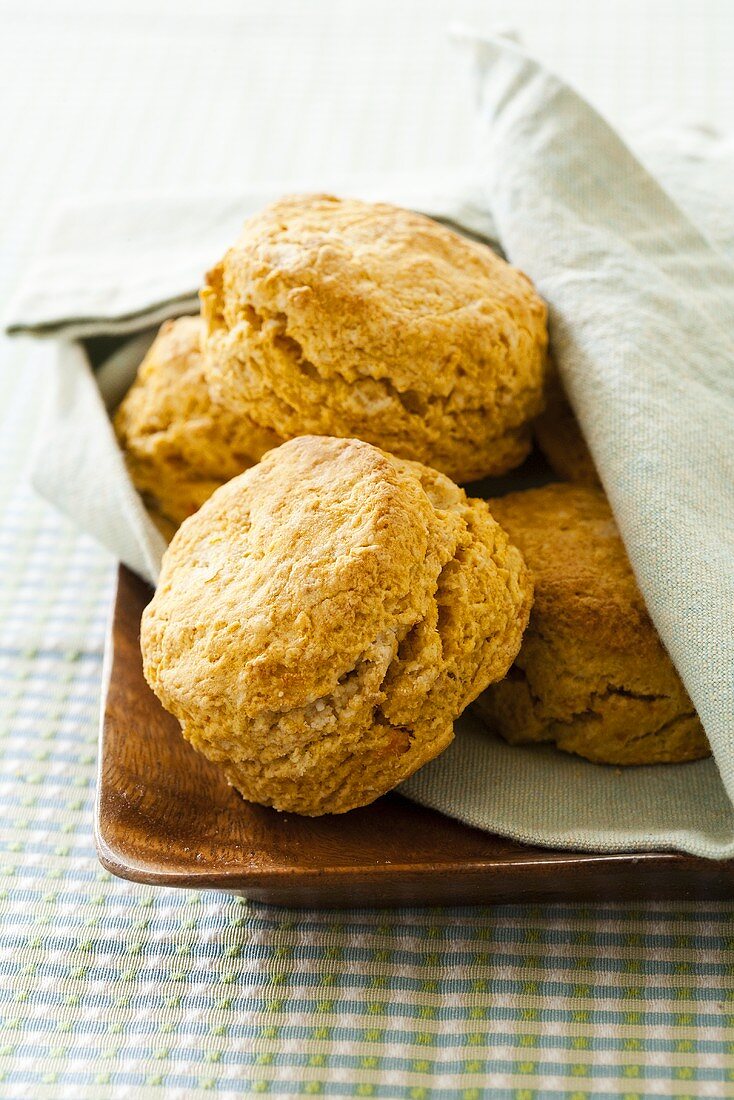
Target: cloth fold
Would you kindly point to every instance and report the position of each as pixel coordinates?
(633, 254)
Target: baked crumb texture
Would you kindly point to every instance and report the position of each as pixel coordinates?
(561, 440)
(344, 318)
(322, 620)
(179, 444)
(592, 675)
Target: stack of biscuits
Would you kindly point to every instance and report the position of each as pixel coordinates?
(331, 599)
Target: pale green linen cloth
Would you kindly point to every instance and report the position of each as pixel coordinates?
(641, 313)
(642, 324)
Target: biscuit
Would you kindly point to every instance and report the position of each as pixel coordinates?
(345, 318)
(561, 440)
(325, 616)
(592, 675)
(179, 446)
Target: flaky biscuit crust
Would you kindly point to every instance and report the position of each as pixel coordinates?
(179, 445)
(345, 318)
(323, 619)
(592, 674)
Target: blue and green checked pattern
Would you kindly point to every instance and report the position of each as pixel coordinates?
(109, 989)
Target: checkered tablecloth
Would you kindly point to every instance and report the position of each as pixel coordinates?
(113, 990)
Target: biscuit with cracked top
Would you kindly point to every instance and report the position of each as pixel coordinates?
(325, 616)
(592, 675)
(345, 318)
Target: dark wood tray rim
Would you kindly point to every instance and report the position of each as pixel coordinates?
(430, 859)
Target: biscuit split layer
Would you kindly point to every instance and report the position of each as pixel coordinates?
(345, 318)
(324, 618)
(592, 674)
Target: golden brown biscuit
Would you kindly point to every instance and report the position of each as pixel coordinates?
(325, 616)
(561, 440)
(345, 318)
(592, 674)
(179, 446)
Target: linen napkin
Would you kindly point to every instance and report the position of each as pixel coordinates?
(642, 322)
(641, 303)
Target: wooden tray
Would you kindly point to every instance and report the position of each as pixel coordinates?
(165, 816)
